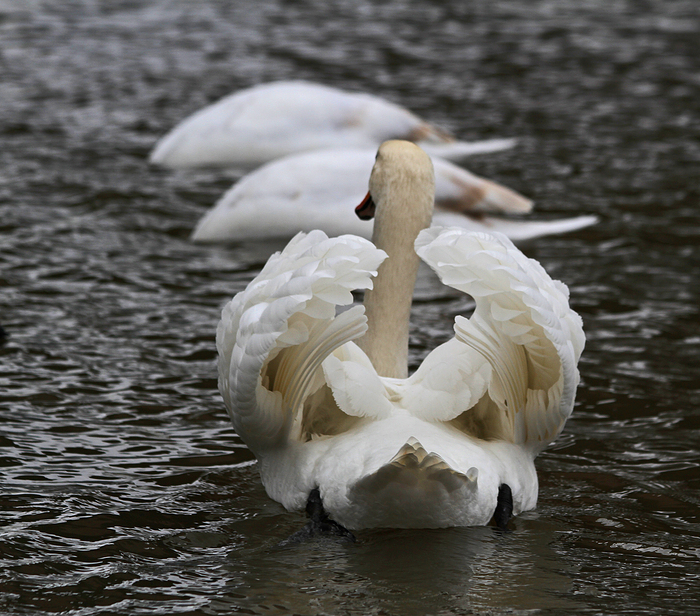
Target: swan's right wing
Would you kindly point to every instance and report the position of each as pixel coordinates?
(523, 326)
(274, 335)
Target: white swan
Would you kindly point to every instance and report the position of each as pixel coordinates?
(319, 189)
(331, 417)
(259, 124)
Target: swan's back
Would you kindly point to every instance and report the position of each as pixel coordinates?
(320, 189)
(272, 120)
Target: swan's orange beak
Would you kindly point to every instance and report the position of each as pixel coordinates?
(365, 211)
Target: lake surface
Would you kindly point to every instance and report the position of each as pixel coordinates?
(123, 488)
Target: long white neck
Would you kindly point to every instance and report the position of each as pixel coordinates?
(404, 206)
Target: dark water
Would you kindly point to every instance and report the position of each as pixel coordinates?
(123, 489)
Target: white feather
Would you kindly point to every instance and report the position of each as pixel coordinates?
(320, 189)
(522, 324)
(428, 450)
(259, 124)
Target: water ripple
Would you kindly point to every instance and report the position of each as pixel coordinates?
(123, 488)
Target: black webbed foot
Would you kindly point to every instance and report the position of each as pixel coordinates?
(504, 507)
(319, 524)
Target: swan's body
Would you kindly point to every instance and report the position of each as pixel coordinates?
(265, 122)
(318, 190)
(321, 411)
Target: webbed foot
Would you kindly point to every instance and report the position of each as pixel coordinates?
(504, 507)
(319, 524)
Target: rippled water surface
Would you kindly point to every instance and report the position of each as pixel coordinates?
(123, 488)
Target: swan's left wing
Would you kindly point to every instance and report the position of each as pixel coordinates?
(274, 335)
(523, 326)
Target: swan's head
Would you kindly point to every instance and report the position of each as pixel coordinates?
(402, 184)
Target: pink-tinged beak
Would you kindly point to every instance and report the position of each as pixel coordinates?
(366, 209)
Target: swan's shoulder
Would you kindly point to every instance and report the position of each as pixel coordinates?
(451, 379)
(523, 326)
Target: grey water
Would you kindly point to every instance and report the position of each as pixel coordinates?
(123, 487)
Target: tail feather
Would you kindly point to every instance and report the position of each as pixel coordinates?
(414, 467)
(456, 150)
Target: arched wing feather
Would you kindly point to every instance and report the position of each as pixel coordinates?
(450, 380)
(522, 325)
(357, 388)
(273, 336)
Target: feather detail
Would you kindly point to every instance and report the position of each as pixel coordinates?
(451, 380)
(413, 465)
(274, 335)
(356, 387)
(522, 325)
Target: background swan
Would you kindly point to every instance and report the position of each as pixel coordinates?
(342, 420)
(259, 124)
(318, 190)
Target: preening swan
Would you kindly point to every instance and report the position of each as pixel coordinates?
(265, 122)
(325, 402)
(319, 189)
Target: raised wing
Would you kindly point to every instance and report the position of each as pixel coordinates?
(522, 326)
(273, 336)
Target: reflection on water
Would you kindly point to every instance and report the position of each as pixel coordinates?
(402, 571)
(123, 488)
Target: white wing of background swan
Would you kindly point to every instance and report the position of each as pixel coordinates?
(273, 336)
(522, 326)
